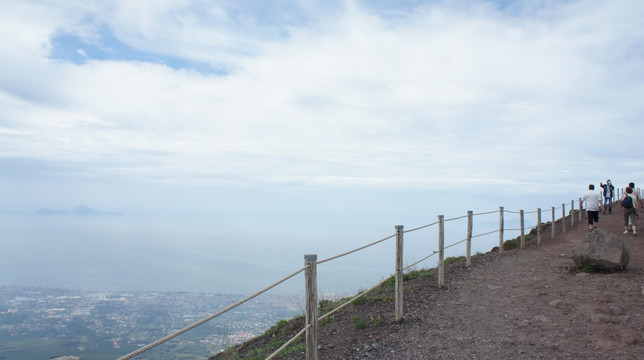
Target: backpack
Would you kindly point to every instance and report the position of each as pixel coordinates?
(627, 202)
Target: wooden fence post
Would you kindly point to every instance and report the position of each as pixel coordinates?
(399, 274)
(539, 226)
(441, 251)
(572, 214)
(468, 249)
(311, 261)
(501, 230)
(563, 218)
(552, 228)
(522, 229)
(580, 212)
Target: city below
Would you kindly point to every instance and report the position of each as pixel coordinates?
(41, 323)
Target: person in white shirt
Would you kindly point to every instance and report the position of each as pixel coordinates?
(592, 200)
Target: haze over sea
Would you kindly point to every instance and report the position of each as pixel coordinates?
(237, 136)
(224, 253)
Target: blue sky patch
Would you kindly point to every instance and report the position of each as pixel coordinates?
(77, 50)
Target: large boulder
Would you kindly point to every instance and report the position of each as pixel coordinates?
(601, 250)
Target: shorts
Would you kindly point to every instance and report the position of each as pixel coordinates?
(593, 217)
(632, 214)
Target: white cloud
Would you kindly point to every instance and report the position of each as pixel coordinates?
(468, 94)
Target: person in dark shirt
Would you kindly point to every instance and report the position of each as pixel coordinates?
(608, 196)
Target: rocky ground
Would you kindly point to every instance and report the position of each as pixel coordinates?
(530, 303)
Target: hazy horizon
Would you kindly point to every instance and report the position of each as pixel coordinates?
(223, 255)
(237, 136)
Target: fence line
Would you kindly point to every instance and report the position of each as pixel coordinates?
(420, 261)
(286, 344)
(486, 213)
(205, 320)
(487, 233)
(456, 218)
(356, 250)
(310, 269)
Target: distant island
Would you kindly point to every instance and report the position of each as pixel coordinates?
(82, 210)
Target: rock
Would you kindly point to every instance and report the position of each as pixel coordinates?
(557, 303)
(542, 319)
(601, 250)
(600, 318)
(612, 309)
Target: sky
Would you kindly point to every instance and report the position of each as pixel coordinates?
(313, 118)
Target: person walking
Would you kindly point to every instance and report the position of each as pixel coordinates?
(630, 203)
(593, 203)
(640, 202)
(608, 196)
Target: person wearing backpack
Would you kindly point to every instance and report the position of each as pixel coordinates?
(592, 200)
(638, 204)
(630, 203)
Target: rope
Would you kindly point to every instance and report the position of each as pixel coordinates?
(358, 249)
(354, 298)
(456, 218)
(421, 227)
(421, 260)
(205, 320)
(486, 213)
(531, 212)
(487, 233)
(511, 212)
(289, 342)
(454, 244)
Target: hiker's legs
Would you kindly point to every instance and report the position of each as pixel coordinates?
(593, 219)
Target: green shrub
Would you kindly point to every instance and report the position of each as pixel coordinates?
(588, 268)
(452, 259)
(359, 321)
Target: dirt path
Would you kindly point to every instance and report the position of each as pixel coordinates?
(530, 303)
(523, 304)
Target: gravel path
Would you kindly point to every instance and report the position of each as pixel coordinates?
(531, 303)
(523, 304)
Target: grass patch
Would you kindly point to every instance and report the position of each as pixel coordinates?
(375, 320)
(359, 321)
(588, 268)
(453, 259)
(516, 242)
(325, 321)
(277, 335)
(418, 274)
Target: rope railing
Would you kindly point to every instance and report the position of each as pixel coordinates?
(456, 243)
(205, 320)
(355, 250)
(311, 262)
(486, 213)
(353, 299)
(456, 218)
(420, 261)
(487, 233)
(421, 227)
(286, 344)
